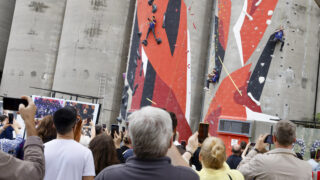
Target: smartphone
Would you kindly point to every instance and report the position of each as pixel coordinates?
(203, 132)
(88, 122)
(123, 129)
(114, 128)
(10, 118)
(104, 126)
(268, 139)
(13, 103)
(183, 144)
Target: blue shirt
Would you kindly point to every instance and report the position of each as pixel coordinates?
(279, 34)
(8, 145)
(152, 24)
(7, 133)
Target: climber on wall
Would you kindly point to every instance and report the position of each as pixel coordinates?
(279, 36)
(212, 78)
(152, 24)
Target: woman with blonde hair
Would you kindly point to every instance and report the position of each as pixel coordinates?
(213, 160)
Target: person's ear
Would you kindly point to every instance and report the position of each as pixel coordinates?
(274, 139)
(171, 141)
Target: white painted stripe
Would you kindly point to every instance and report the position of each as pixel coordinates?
(253, 99)
(255, 116)
(250, 17)
(237, 28)
(145, 61)
(188, 95)
(258, 3)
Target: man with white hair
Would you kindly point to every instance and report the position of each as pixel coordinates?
(150, 130)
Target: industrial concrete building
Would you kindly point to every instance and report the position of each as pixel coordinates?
(85, 47)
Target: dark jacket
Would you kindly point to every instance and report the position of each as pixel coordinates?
(233, 161)
(156, 169)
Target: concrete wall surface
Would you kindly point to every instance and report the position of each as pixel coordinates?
(33, 46)
(290, 88)
(6, 14)
(199, 19)
(91, 49)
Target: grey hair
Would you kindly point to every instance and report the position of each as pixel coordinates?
(285, 132)
(150, 130)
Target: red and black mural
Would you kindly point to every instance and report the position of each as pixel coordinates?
(157, 72)
(248, 32)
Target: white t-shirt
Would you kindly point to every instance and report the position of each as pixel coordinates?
(85, 140)
(67, 159)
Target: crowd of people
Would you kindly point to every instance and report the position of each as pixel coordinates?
(149, 149)
(46, 106)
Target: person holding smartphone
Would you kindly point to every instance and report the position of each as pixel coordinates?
(279, 163)
(6, 129)
(9, 145)
(33, 165)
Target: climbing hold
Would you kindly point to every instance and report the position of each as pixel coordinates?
(135, 62)
(270, 12)
(159, 41)
(164, 21)
(139, 34)
(145, 42)
(150, 2)
(138, 54)
(154, 8)
(261, 80)
(268, 22)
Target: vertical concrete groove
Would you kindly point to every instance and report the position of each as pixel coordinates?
(4, 37)
(209, 55)
(58, 48)
(317, 85)
(124, 57)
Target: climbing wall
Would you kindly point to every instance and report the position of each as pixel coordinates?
(157, 74)
(257, 81)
